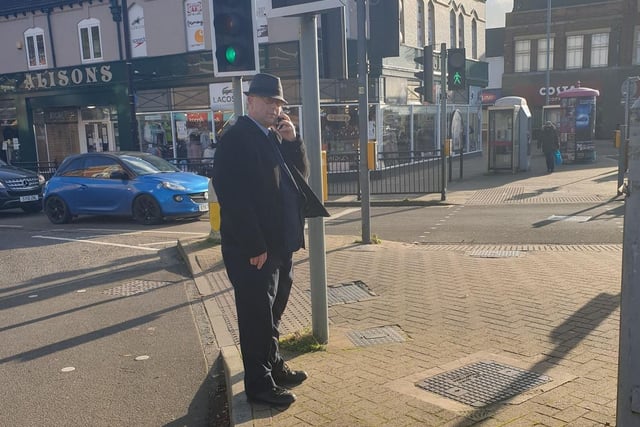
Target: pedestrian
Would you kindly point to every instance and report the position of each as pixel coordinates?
(209, 153)
(259, 174)
(550, 144)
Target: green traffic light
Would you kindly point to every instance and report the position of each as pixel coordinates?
(457, 79)
(231, 54)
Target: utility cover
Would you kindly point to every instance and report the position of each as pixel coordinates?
(483, 383)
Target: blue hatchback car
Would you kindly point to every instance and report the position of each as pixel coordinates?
(133, 184)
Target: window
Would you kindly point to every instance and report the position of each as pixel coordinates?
(420, 23)
(460, 31)
(636, 46)
(452, 28)
(542, 54)
(90, 43)
(431, 25)
(474, 39)
(34, 42)
(574, 52)
(600, 50)
(523, 56)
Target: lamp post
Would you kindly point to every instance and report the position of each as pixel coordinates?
(548, 83)
(127, 53)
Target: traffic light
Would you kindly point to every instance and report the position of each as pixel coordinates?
(456, 71)
(235, 46)
(426, 75)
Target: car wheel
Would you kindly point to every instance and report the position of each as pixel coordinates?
(57, 210)
(146, 210)
(32, 208)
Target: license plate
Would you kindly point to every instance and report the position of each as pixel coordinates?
(33, 198)
(203, 207)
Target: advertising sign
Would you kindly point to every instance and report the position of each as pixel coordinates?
(300, 7)
(221, 95)
(137, 31)
(194, 22)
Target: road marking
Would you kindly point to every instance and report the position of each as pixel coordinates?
(96, 243)
(11, 226)
(569, 218)
(343, 213)
(143, 231)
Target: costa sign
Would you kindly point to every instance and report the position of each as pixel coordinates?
(543, 91)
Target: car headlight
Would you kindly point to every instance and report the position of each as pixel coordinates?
(2, 185)
(173, 186)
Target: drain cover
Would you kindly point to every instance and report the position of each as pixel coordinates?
(134, 287)
(381, 335)
(348, 292)
(482, 383)
(484, 253)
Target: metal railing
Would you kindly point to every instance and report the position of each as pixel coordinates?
(404, 172)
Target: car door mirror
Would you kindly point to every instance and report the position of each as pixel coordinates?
(122, 175)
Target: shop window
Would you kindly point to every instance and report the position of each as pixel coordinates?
(542, 54)
(522, 56)
(600, 50)
(574, 52)
(90, 42)
(36, 53)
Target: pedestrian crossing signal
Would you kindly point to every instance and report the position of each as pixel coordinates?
(456, 69)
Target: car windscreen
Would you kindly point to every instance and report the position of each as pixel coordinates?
(146, 165)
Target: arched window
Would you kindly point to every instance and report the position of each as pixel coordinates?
(452, 29)
(90, 40)
(461, 31)
(431, 25)
(420, 23)
(474, 39)
(35, 49)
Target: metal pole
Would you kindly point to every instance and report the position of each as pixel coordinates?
(548, 53)
(363, 120)
(312, 132)
(628, 406)
(443, 117)
(238, 105)
(132, 99)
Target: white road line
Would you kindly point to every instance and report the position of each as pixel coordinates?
(96, 243)
(11, 226)
(342, 213)
(143, 231)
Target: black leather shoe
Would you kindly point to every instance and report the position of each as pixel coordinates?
(276, 396)
(285, 377)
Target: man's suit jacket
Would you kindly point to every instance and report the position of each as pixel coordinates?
(246, 178)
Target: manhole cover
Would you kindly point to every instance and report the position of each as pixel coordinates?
(373, 336)
(484, 253)
(134, 287)
(483, 383)
(348, 292)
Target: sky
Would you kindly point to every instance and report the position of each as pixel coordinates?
(495, 12)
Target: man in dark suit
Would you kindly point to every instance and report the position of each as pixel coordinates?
(256, 176)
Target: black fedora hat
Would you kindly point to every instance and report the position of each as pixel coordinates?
(266, 85)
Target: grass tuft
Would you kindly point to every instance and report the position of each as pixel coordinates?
(301, 342)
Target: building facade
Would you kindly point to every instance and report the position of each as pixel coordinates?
(592, 44)
(81, 76)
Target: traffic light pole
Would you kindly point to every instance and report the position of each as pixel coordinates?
(363, 122)
(443, 119)
(238, 105)
(628, 405)
(311, 125)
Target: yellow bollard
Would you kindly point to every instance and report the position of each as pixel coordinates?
(616, 138)
(447, 147)
(371, 155)
(214, 209)
(325, 177)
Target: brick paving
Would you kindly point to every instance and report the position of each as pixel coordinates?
(547, 309)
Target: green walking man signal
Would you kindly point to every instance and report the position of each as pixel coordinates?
(456, 69)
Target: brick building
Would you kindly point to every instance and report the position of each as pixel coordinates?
(593, 42)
